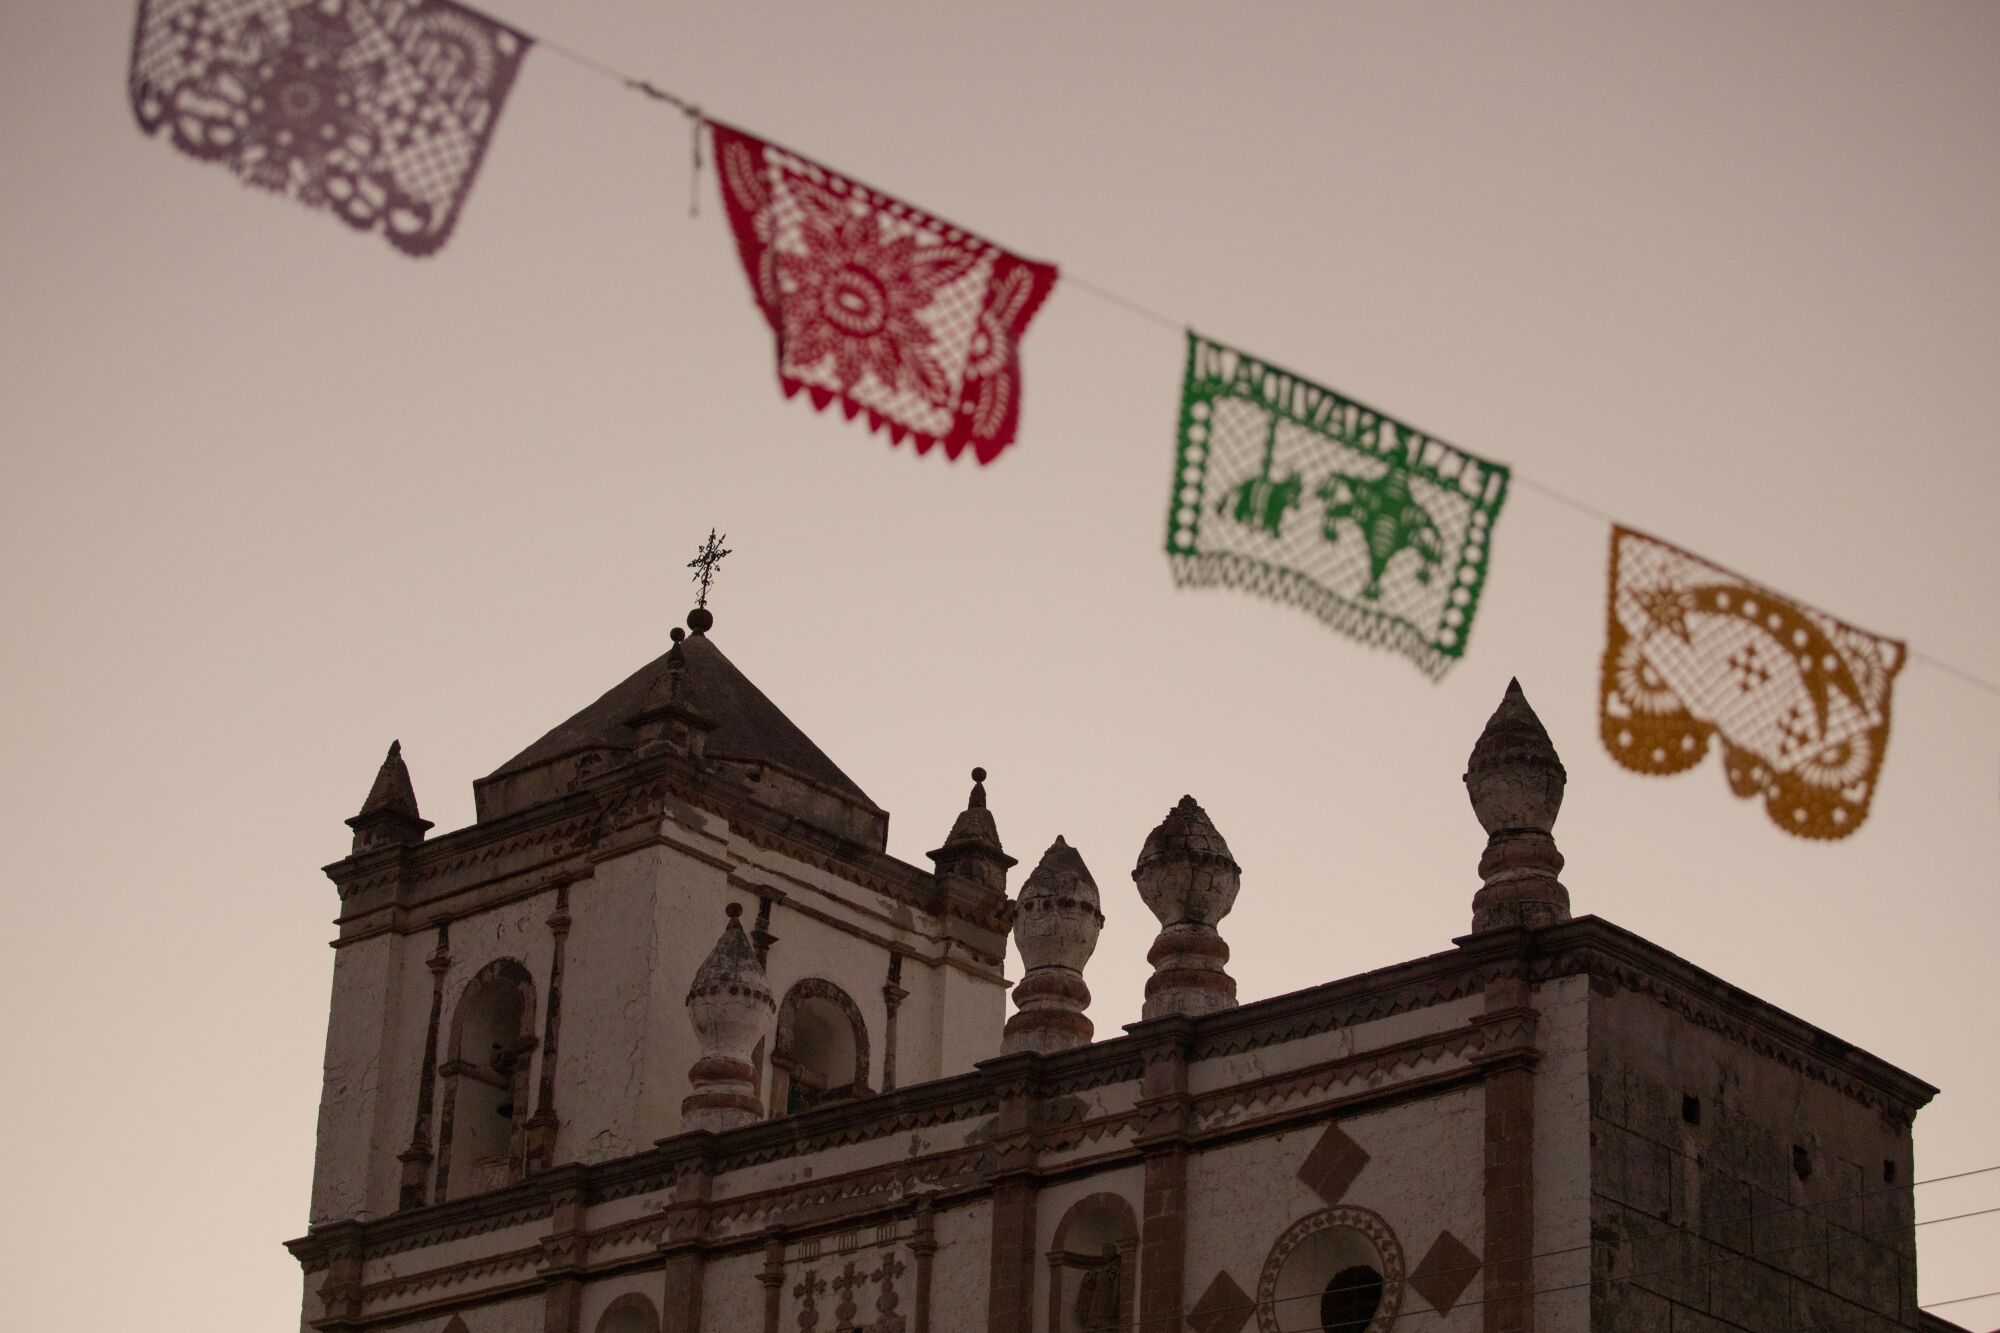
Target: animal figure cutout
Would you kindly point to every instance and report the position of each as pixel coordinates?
(1393, 552)
(1391, 522)
(1259, 502)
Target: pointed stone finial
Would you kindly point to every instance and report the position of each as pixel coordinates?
(1189, 881)
(1056, 927)
(972, 850)
(1516, 782)
(668, 714)
(389, 816)
(731, 1006)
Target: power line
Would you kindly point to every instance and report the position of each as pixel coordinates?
(1809, 1205)
(1176, 1317)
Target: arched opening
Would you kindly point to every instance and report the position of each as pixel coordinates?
(821, 1052)
(1092, 1274)
(486, 1082)
(456, 1325)
(1350, 1300)
(1339, 1270)
(630, 1313)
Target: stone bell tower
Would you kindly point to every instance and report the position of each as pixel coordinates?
(546, 985)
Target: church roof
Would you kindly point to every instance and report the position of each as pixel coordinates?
(748, 726)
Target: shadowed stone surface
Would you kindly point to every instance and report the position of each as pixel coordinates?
(1444, 1272)
(748, 726)
(1332, 1165)
(1223, 1308)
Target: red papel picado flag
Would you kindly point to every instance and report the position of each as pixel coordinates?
(878, 304)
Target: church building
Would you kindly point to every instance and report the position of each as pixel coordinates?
(665, 1041)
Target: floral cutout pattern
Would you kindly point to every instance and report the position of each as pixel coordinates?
(897, 314)
(1800, 699)
(377, 111)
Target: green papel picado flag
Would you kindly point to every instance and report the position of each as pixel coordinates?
(1287, 489)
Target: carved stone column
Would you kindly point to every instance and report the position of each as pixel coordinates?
(542, 1125)
(684, 1250)
(923, 1247)
(563, 1253)
(893, 996)
(1166, 1116)
(772, 1278)
(416, 1158)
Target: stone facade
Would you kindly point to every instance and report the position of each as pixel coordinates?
(1550, 1125)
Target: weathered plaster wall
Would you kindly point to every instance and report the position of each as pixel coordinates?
(355, 1133)
(1562, 1156)
(610, 963)
(1711, 1226)
(1422, 1176)
(731, 1295)
(961, 1272)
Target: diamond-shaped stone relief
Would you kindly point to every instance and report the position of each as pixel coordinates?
(1223, 1308)
(1444, 1272)
(1332, 1165)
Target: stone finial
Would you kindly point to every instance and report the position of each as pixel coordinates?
(1516, 783)
(1189, 881)
(668, 713)
(1056, 926)
(972, 849)
(731, 1006)
(389, 816)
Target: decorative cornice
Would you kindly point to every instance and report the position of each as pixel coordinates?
(1051, 1085)
(581, 822)
(1279, 1090)
(523, 1260)
(1591, 946)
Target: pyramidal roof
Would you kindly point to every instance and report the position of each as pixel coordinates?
(749, 728)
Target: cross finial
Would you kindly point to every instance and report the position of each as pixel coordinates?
(704, 564)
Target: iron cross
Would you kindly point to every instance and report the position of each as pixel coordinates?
(704, 564)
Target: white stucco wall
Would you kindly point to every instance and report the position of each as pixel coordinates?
(352, 1134)
(1424, 1175)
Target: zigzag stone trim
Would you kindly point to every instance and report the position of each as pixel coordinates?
(1280, 1089)
(451, 1275)
(1302, 1017)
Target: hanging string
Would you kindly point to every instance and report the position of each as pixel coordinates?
(647, 88)
(696, 121)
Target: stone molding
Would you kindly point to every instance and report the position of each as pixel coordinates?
(1165, 1121)
(1276, 1091)
(1593, 947)
(576, 828)
(527, 1259)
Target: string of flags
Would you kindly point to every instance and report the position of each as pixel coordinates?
(379, 112)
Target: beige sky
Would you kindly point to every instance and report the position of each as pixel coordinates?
(274, 495)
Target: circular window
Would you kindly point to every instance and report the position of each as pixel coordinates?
(1342, 1266)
